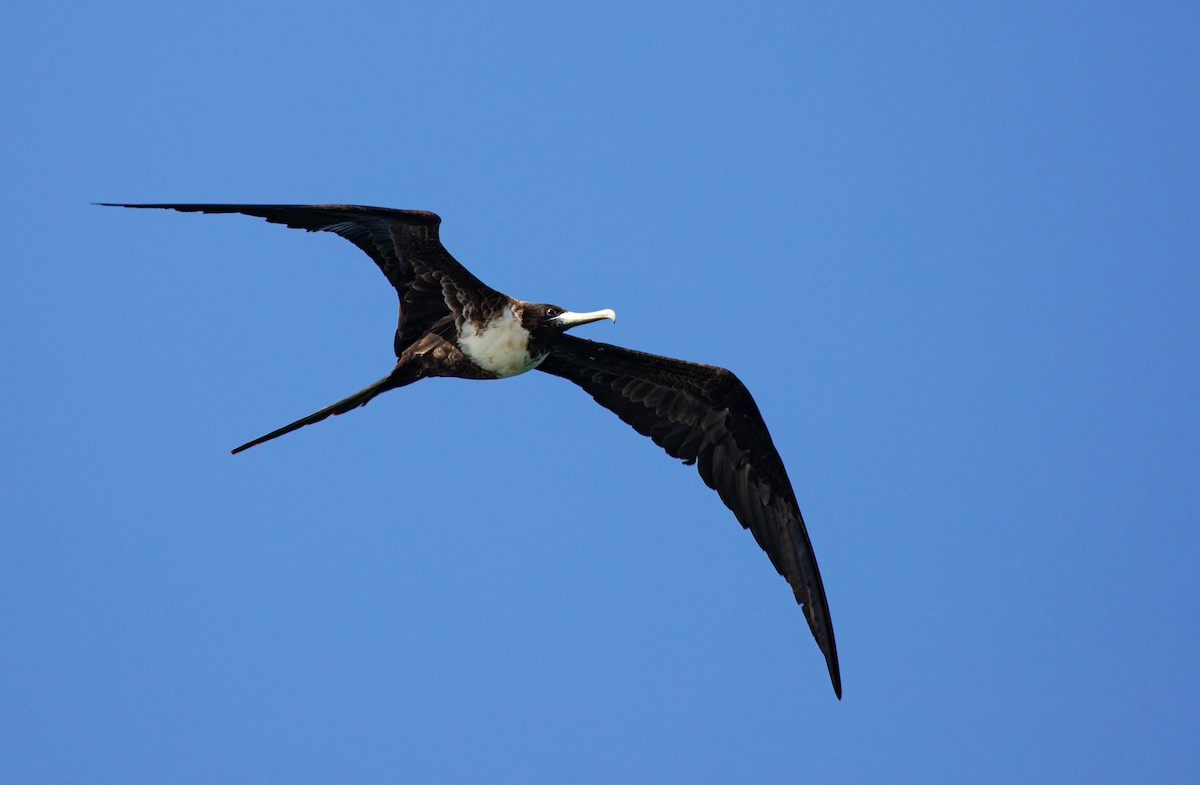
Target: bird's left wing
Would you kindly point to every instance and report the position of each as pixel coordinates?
(705, 416)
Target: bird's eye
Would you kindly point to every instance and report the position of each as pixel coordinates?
(552, 312)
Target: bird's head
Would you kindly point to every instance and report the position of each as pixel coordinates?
(543, 317)
(546, 323)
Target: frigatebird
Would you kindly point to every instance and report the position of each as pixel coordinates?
(452, 324)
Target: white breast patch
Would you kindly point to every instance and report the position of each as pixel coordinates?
(500, 347)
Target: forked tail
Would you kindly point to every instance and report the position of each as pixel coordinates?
(359, 398)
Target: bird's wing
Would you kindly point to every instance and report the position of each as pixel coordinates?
(705, 416)
(403, 243)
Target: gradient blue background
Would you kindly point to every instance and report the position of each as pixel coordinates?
(952, 249)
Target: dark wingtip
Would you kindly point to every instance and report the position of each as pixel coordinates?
(835, 672)
(126, 204)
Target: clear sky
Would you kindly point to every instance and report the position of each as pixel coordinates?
(953, 250)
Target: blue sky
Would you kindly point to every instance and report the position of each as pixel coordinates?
(951, 249)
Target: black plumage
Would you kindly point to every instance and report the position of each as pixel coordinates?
(452, 324)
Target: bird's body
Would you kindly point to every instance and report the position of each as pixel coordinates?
(451, 324)
(502, 345)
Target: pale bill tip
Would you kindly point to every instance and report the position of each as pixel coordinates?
(572, 319)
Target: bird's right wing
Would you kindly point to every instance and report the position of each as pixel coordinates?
(705, 416)
(403, 243)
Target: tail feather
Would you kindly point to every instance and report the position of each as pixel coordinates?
(341, 407)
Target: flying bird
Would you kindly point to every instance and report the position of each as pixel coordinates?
(452, 324)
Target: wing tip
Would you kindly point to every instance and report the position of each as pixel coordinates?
(420, 217)
(155, 206)
(829, 649)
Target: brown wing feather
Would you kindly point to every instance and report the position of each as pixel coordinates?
(705, 416)
(403, 243)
